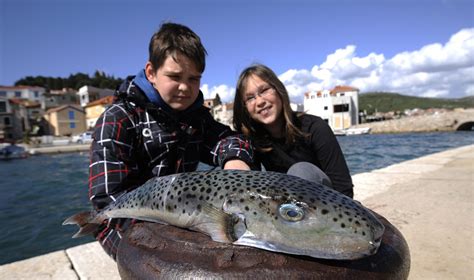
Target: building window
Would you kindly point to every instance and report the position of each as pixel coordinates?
(71, 115)
(72, 125)
(17, 93)
(341, 108)
(3, 107)
(36, 94)
(325, 108)
(3, 94)
(6, 121)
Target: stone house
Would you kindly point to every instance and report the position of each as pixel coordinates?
(66, 120)
(94, 109)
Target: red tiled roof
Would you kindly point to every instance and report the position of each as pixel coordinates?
(24, 102)
(343, 89)
(60, 108)
(103, 101)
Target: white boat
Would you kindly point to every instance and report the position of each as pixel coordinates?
(352, 131)
(357, 130)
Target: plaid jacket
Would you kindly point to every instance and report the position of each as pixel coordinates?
(134, 141)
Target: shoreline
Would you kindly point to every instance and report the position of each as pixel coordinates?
(429, 199)
(73, 148)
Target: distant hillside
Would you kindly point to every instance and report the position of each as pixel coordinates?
(386, 102)
(75, 81)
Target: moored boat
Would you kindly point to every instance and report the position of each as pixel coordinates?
(13, 152)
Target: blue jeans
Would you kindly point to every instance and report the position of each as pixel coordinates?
(310, 172)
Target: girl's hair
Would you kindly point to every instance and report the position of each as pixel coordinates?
(172, 38)
(242, 121)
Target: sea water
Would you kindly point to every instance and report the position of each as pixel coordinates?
(38, 193)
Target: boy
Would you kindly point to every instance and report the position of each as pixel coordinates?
(158, 126)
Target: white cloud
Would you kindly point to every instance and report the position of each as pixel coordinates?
(225, 92)
(435, 70)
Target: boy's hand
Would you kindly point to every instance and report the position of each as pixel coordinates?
(236, 164)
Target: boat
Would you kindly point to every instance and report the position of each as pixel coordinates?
(357, 130)
(13, 152)
(352, 131)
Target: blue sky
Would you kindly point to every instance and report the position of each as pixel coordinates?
(415, 47)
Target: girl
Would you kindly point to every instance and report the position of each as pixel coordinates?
(301, 145)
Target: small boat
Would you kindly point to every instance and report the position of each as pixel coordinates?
(13, 152)
(357, 130)
(352, 131)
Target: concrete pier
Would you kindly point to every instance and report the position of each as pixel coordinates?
(429, 199)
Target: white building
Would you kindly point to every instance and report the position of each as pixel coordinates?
(223, 113)
(89, 94)
(339, 107)
(30, 93)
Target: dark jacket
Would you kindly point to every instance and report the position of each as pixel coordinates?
(135, 140)
(320, 147)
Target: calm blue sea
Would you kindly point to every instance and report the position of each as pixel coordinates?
(38, 193)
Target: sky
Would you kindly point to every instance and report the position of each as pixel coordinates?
(413, 47)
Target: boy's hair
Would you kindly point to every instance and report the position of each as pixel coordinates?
(172, 38)
(242, 121)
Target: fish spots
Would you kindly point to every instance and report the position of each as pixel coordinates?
(324, 211)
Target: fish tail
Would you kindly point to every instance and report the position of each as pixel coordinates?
(87, 221)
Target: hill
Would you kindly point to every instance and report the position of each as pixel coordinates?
(75, 81)
(387, 101)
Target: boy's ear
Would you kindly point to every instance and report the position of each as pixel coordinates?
(150, 72)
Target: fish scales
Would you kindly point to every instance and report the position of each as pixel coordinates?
(266, 210)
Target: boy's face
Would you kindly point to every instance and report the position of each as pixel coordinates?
(177, 81)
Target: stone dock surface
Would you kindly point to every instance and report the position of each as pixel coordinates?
(429, 199)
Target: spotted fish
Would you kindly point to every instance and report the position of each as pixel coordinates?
(267, 210)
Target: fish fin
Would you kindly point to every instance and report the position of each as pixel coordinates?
(87, 221)
(223, 227)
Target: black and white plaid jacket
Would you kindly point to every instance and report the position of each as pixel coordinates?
(134, 141)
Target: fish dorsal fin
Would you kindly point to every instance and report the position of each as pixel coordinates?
(221, 226)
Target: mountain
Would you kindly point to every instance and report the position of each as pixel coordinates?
(387, 101)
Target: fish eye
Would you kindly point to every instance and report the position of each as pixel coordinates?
(291, 212)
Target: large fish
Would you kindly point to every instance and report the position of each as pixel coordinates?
(266, 210)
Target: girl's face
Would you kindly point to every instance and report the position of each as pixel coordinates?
(177, 81)
(263, 104)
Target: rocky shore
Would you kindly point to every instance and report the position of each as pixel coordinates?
(446, 121)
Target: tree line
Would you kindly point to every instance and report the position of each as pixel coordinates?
(387, 101)
(75, 81)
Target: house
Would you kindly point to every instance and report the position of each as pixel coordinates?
(12, 116)
(212, 102)
(223, 113)
(339, 107)
(66, 120)
(94, 109)
(88, 94)
(23, 92)
(56, 98)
